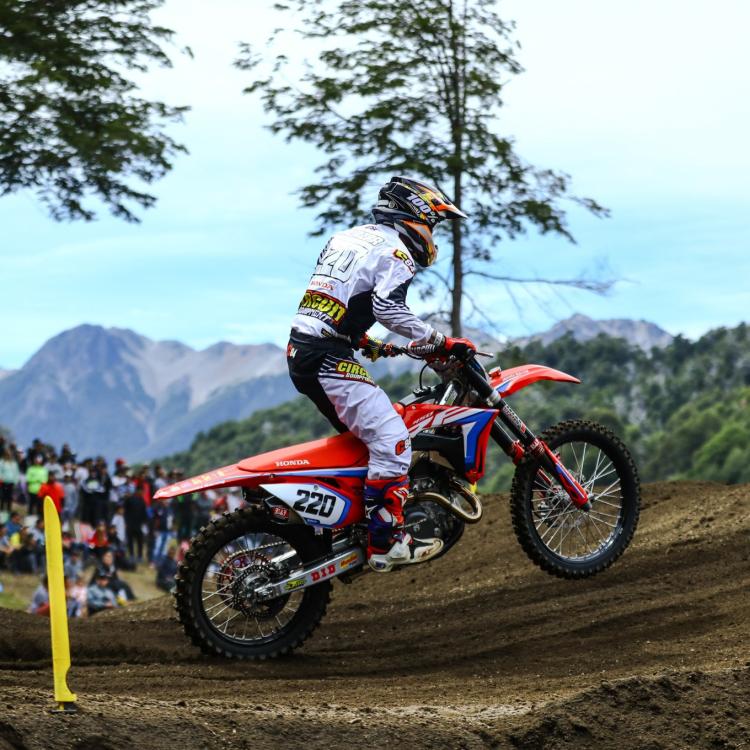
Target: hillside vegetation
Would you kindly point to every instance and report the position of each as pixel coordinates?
(683, 410)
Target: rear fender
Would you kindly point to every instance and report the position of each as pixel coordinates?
(514, 379)
(226, 476)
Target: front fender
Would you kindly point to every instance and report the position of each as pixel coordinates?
(513, 379)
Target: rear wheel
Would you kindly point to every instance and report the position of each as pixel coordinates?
(558, 536)
(227, 561)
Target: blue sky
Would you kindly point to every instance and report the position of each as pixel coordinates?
(645, 104)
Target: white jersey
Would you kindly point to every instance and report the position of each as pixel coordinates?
(362, 276)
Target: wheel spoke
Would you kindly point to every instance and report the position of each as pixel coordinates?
(232, 575)
(563, 528)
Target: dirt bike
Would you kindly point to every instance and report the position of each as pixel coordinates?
(255, 583)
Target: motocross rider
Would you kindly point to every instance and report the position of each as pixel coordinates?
(362, 276)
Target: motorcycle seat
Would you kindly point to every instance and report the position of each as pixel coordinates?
(341, 451)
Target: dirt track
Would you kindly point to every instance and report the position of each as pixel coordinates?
(477, 650)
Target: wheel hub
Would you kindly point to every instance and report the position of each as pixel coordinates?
(241, 576)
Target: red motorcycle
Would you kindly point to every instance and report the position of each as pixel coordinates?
(256, 582)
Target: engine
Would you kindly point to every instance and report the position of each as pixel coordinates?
(424, 516)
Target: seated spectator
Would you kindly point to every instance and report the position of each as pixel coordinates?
(122, 560)
(14, 523)
(53, 489)
(40, 600)
(99, 540)
(77, 596)
(38, 532)
(119, 588)
(40, 541)
(25, 555)
(100, 596)
(74, 564)
(5, 546)
(166, 571)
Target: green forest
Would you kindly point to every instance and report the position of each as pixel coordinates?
(683, 410)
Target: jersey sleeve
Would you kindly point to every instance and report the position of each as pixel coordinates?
(394, 273)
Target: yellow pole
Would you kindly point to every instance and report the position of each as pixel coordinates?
(58, 611)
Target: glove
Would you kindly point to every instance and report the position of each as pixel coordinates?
(459, 348)
(375, 348)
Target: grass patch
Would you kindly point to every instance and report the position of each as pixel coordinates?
(18, 589)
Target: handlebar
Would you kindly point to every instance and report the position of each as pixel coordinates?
(397, 351)
(474, 372)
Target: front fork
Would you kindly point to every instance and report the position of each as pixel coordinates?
(526, 442)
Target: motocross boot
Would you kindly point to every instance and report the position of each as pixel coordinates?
(388, 544)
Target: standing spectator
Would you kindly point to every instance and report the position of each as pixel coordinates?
(36, 476)
(143, 481)
(183, 516)
(118, 522)
(234, 500)
(100, 596)
(106, 484)
(9, 476)
(23, 464)
(95, 496)
(53, 465)
(82, 471)
(203, 506)
(160, 478)
(121, 481)
(70, 503)
(161, 525)
(66, 455)
(136, 517)
(37, 448)
(55, 490)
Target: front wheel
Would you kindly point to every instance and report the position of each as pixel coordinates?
(227, 561)
(558, 536)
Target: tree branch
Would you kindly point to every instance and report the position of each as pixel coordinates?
(598, 286)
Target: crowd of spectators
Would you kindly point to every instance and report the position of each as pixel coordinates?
(111, 522)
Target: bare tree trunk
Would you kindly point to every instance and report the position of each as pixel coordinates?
(457, 292)
(457, 84)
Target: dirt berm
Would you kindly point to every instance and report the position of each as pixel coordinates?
(477, 650)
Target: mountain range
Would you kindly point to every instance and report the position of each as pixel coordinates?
(640, 333)
(113, 392)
